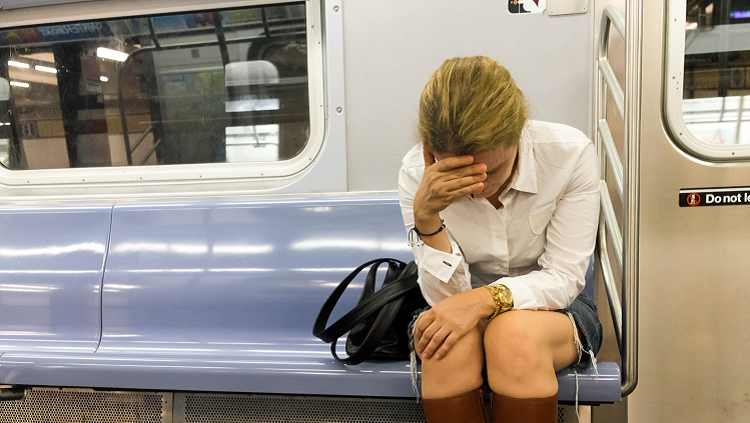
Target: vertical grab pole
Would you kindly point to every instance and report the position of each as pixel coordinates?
(633, 43)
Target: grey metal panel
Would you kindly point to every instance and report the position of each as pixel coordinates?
(201, 408)
(51, 266)
(392, 46)
(567, 7)
(694, 272)
(17, 4)
(86, 405)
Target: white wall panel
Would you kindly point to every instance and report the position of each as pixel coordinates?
(392, 46)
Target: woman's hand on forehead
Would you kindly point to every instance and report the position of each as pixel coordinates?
(445, 181)
(447, 162)
(456, 166)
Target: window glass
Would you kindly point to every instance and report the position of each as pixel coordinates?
(206, 87)
(716, 90)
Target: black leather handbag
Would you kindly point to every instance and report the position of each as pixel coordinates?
(378, 325)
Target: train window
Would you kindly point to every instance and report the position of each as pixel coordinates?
(708, 98)
(209, 88)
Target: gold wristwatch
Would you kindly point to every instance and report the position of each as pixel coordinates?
(503, 299)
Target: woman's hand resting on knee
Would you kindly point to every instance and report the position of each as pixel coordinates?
(439, 328)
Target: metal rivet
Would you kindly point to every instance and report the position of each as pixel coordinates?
(339, 110)
(336, 9)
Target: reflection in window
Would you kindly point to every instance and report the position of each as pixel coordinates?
(207, 87)
(716, 91)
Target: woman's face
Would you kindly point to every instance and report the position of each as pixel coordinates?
(500, 164)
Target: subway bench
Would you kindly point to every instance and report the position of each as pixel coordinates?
(210, 295)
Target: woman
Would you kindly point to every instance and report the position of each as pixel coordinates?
(502, 214)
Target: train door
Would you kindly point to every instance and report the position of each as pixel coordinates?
(694, 213)
(684, 219)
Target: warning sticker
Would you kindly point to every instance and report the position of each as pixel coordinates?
(526, 6)
(702, 197)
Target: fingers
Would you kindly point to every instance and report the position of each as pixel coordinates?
(418, 332)
(444, 174)
(445, 181)
(420, 338)
(433, 343)
(450, 163)
(467, 183)
(463, 164)
(446, 188)
(431, 337)
(448, 343)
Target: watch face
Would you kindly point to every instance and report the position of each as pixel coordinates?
(506, 296)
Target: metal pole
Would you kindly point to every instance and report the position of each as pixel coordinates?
(633, 42)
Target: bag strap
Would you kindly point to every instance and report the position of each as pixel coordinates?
(394, 270)
(345, 323)
(388, 312)
(359, 313)
(377, 332)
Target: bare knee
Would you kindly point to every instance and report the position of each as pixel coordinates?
(518, 363)
(458, 372)
(512, 347)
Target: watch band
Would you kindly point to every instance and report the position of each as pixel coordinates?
(503, 299)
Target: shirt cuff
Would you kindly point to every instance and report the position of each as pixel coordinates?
(438, 263)
(523, 299)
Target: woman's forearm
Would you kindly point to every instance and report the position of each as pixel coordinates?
(429, 225)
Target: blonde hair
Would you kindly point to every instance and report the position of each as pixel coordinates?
(471, 105)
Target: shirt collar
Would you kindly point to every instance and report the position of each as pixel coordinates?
(525, 178)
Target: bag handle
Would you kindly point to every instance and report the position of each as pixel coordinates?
(363, 309)
(394, 270)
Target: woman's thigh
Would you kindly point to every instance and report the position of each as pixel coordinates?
(459, 371)
(525, 348)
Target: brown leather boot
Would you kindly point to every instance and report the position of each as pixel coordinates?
(523, 410)
(464, 408)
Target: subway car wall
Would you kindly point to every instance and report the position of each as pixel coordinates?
(227, 164)
(182, 183)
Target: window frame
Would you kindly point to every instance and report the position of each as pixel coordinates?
(183, 179)
(673, 93)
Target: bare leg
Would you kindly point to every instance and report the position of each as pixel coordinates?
(459, 372)
(524, 350)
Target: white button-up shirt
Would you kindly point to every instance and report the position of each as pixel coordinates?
(538, 243)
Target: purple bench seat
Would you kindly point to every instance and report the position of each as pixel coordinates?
(221, 295)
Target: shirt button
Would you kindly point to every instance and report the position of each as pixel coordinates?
(498, 234)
